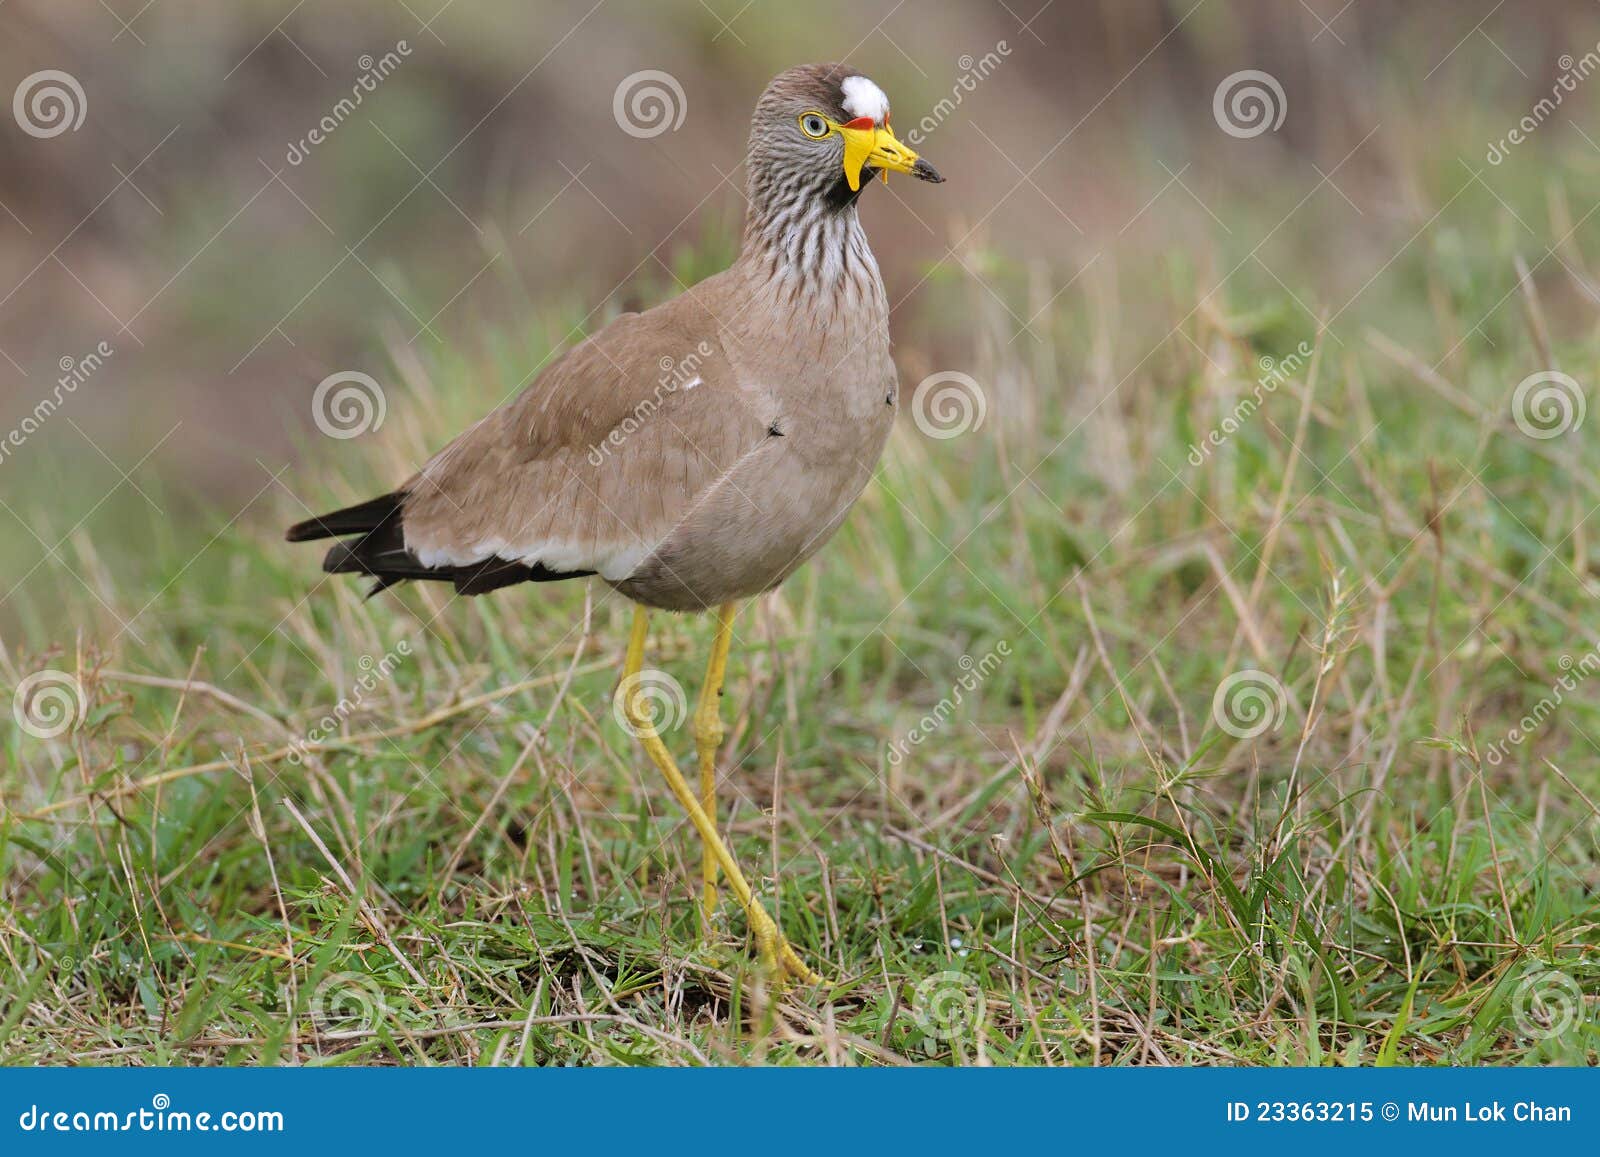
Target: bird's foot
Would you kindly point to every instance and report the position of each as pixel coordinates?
(779, 958)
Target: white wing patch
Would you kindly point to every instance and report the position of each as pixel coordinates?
(615, 561)
(862, 98)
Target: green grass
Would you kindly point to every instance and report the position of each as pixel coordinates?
(1076, 864)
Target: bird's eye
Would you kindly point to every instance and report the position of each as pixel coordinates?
(814, 126)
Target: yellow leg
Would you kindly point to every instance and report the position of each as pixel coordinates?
(775, 951)
(708, 733)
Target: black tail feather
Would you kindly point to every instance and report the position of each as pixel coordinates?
(362, 518)
(380, 552)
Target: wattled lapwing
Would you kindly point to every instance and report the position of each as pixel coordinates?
(692, 455)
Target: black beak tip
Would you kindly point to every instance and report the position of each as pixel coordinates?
(926, 172)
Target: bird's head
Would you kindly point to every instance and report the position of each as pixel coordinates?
(825, 129)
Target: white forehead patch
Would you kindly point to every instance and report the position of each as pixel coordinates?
(862, 98)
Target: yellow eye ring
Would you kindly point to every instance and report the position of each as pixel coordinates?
(815, 125)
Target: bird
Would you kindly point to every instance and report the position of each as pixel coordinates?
(693, 455)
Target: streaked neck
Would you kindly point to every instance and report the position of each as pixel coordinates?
(809, 240)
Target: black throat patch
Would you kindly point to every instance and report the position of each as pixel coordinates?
(840, 196)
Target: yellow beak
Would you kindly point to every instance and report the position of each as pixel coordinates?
(876, 147)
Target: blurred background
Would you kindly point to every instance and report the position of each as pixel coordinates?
(482, 205)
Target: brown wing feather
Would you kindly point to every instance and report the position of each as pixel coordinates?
(594, 462)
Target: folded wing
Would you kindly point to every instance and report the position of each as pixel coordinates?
(584, 472)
